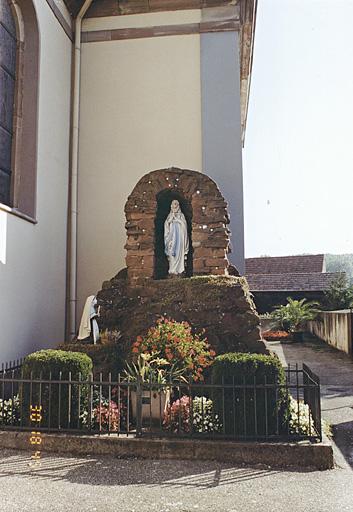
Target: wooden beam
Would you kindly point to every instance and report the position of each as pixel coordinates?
(159, 31)
(68, 29)
(101, 8)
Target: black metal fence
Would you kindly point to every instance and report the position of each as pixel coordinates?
(11, 365)
(248, 410)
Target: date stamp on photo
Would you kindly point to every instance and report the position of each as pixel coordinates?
(35, 438)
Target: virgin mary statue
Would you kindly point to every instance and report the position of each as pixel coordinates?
(176, 240)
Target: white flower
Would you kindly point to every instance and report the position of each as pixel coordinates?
(301, 421)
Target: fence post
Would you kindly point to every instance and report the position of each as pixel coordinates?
(138, 407)
(318, 409)
(350, 334)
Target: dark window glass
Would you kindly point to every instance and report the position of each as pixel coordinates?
(8, 45)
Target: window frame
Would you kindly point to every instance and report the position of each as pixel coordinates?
(25, 114)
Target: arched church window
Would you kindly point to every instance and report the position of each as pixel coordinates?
(19, 59)
(8, 51)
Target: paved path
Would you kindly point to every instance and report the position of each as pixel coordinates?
(335, 370)
(95, 484)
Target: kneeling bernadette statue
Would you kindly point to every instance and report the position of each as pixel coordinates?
(176, 240)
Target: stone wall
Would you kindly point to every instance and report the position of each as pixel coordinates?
(208, 221)
(221, 305)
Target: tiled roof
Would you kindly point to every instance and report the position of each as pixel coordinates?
(285, 264)
(295, 282)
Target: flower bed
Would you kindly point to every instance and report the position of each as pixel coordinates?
(177, 417)
(276, 335)
(300, 419)
(176, 349)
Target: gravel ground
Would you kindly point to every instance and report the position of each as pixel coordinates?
(74, 484)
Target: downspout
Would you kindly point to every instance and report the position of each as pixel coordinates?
(74, 169)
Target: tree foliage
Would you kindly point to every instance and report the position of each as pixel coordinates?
(339, 295)
(340, 263)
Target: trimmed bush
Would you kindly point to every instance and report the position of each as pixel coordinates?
(250, 412)
(66, 401)
(56, 361)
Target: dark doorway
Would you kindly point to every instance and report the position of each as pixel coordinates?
(164, 200)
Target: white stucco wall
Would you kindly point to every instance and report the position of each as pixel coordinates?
(33, 257)
(335, 328)
(140, 111)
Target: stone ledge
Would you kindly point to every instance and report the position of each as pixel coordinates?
(277, 455)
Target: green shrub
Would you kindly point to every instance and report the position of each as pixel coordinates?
(246, 411)
(66, 401)
(56, 361)
(293, 315)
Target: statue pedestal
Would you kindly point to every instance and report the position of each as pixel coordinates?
(222, 305)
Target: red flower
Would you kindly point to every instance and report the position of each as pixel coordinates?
(176, 342)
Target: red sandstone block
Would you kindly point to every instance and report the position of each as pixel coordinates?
(198, 264)
(218, 271)
(145, 223)
(217, 262)
(200, 252)
(133, 261)
(135, 215)
(218, 253)
(216, 243)
(148, 261)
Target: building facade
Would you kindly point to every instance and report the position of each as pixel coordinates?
(136, 86)
(272, 279)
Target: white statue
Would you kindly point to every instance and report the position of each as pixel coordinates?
(176, 240)
(89, 326)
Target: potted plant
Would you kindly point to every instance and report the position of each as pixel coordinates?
(292, 316)
(153, 375)
(168, 352)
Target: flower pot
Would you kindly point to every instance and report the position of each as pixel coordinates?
(154, 404)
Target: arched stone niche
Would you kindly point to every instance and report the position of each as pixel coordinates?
(207, 217)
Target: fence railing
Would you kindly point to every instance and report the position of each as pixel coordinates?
(245, 409)
(11, 365)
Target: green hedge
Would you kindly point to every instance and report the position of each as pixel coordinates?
(56, 361)
(66, 401)
(246, 411)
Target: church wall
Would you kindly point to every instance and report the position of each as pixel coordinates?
(33, 256)
(140, 111)
(221, 128)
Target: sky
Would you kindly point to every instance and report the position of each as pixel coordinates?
(298, 153)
